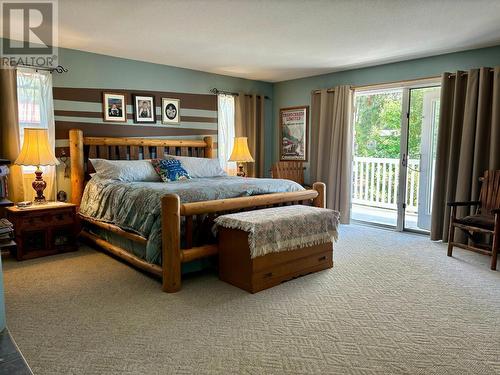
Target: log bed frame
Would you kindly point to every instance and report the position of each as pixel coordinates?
(82, 148)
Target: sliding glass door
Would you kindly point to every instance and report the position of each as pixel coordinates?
(422, 137)
(377, 152)
(394, 152)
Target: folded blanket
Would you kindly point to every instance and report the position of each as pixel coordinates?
(283, 228)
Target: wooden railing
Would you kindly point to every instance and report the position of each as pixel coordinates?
(376, 180)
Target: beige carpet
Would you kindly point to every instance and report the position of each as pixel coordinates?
(393, 304)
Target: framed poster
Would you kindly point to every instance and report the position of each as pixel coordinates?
(170, 109)
(144, 109)
(293, 133)
(114, 107)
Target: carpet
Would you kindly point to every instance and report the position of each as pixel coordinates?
(394, 303)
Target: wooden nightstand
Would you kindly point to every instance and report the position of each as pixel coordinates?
(44, 229)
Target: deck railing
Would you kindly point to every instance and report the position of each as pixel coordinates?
(376, 180)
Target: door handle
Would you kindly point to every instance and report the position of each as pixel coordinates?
(404, 160)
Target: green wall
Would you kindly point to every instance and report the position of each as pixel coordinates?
(298, 91)
(100, 71)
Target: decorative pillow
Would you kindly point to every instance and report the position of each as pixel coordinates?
(170, 170)
(201, 167)
(125, 170)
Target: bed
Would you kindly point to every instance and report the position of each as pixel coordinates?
(163, 220)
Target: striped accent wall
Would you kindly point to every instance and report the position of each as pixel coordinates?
(82, 108)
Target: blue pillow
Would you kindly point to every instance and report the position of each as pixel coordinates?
(170, 170)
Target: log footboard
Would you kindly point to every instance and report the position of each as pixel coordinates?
(172, 210)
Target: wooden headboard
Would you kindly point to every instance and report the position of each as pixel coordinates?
(82, 148)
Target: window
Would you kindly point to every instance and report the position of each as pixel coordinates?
(36, 110)
(226, 132)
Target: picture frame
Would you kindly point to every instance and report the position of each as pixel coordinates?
(114, 107)
(170, 111)
(294, 131)
(144, 109)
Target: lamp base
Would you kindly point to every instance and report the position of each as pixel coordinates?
(241, 170)
(39, 186)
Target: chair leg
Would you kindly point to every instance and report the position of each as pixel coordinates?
(451, 234)
(496, 243)
(494, 255)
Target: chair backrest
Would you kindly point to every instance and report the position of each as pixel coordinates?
(490, 191)
(289, 170)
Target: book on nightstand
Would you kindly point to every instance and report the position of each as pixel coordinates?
(6, 234)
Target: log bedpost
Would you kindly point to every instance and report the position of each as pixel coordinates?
(171, 242)
(209, 148)
(320, 200)
(76, 162)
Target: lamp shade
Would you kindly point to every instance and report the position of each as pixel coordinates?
(241, 153)
(36, 149)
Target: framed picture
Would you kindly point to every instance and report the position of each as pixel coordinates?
(170, 109)
(114, 107)
(144, 109)
(293, 133)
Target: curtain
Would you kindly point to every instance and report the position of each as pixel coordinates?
(225, 132)
(10, 145)
(249, 120)
(36, 110)
(331, 151)
(468, 141)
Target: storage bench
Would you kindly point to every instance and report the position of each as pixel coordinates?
(262, 248)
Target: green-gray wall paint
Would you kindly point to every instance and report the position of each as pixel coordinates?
(101, 71)
(298, 91)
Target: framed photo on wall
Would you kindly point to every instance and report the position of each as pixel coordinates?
(170, 111)
(294, 123)
(114, 107)
(144, 109)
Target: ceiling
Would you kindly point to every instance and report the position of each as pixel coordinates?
(277, 40)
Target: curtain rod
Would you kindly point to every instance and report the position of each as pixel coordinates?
(57, 69)
(490, 70)
(217, 91)
(384, 84)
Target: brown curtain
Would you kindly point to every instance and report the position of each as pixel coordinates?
(9, 131)
(249, 122)
(468, 141)
(331, 146)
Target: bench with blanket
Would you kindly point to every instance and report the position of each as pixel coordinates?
(262, 248)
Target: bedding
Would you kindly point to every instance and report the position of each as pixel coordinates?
(170, 170)
(135, 206)
(125, 170)
(201, 167)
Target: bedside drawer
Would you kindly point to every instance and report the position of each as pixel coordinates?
(62, 218)
(46, 220)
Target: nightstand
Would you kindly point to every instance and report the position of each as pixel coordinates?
(44, 229)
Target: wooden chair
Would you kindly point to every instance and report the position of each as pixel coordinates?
(486, 219)
(289, 170)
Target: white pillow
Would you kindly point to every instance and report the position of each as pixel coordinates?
(125, 170)
(201, 167)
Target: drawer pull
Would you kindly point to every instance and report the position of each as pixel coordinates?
(269, 274)
(59, 217)
(320, 259)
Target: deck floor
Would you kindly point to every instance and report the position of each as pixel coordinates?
(382, 216)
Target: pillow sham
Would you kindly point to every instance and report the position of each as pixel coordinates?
(170, 170)
(201, 167)
(125, 170)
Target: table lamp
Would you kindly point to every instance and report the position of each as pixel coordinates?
(241, 154)
(36, 152)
